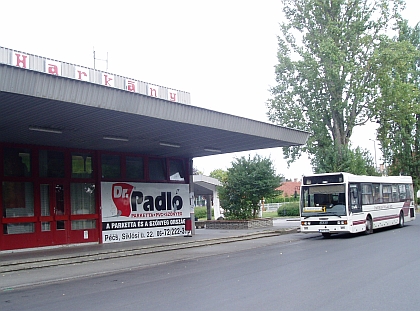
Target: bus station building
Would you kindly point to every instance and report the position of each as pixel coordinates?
(93, 157)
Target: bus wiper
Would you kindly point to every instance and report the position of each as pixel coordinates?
(332, 213)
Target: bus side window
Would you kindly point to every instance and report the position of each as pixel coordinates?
(354, 205)
(395, 194)
(367, 196)
(402, 192)
(386, 193)
(409, 191)
(377, 195)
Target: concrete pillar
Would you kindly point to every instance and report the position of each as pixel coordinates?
(191, 186)
(216, 205)
(208, 204)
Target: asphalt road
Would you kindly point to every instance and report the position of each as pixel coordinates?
(293, 272)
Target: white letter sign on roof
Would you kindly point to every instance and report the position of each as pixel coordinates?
(107, 79)
(153, 90)
(130, 85)
(81, 73)
(21, 60)
(53, 67)
(57, 68)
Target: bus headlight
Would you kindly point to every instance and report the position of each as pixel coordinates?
(305, 223)
(342, 222)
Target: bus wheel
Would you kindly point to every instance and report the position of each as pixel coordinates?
(369, 225)
(401, 220)
(326, 235)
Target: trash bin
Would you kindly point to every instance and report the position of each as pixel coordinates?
(188, 224)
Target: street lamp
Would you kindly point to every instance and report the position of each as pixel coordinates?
(374, 147)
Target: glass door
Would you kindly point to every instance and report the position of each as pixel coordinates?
(54, 212)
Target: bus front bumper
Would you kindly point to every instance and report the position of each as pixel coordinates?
(325, 229)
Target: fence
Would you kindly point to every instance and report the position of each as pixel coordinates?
(272, 206)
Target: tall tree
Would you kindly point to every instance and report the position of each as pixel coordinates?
(246, 183)
(398, 106)
(218, 174)
(325, 73)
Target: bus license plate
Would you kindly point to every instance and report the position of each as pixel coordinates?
(324, 230)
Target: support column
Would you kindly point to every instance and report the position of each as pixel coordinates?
(208, 204)
(191, 188)
(216, 205)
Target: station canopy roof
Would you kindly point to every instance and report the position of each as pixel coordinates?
(49, 110)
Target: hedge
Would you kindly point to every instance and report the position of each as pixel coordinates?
(200, 212)
(288, 209)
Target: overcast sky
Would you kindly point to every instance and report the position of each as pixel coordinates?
(222, 52)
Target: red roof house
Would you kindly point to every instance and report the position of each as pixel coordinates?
(289, 188)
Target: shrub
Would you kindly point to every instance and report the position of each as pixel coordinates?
(200, 212)
(289, 209)
(245, 184)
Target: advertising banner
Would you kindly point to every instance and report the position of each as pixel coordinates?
(134, 211)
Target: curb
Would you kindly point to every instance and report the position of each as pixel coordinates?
(37, 263)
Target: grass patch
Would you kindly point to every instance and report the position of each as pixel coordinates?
(270, 214)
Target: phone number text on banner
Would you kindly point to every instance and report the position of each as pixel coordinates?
(142, 233)
(119, 231)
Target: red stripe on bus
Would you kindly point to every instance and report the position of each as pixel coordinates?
(386, 217)
(361, 222)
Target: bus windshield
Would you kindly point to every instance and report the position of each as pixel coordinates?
(323, 200)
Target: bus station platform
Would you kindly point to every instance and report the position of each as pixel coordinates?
(21, 260)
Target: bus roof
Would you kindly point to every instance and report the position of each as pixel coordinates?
(347, 177)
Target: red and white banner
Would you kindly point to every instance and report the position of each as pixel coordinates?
(133, 211)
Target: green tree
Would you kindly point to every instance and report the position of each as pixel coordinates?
(356, 161)
(397, 107)
(218, 174)
(247, 182)
(325, 76)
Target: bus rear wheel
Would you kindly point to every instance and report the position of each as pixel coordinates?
(369, 225)
(401, 220)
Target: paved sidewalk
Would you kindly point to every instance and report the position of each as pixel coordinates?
(70, 254)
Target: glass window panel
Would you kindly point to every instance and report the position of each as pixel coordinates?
(81, 165)
(395, 194)
(176, 170)
(402, 191)
(45, 226)
(367, 197)
(83, 224)
(59, 200)
(386, 193)
(18, 199)
(134, 167)
(51, 164)
(17, 162)
(157, 169)
(19, 228)
(409, 192)
(377, 195)
(111, 166)
(82, 197)
(45, 200)
(60, 224)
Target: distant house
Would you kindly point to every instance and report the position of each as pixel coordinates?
(289, 188)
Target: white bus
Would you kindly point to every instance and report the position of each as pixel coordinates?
(341, 202)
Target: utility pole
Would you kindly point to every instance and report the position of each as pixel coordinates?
(374, 147)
